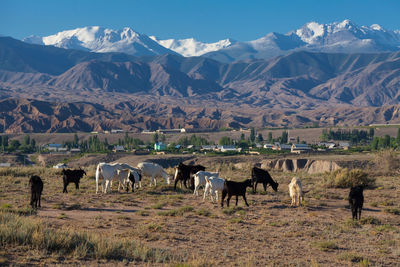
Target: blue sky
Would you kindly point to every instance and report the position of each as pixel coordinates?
(205, 20)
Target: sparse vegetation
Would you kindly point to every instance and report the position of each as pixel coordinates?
(326, 245)
(345, 178)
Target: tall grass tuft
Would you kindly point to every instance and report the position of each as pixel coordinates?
(17, 230)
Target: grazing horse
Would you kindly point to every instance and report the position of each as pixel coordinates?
(153, 170)
(107, 171)
(184, 172)
(72, 176)
(262, 176)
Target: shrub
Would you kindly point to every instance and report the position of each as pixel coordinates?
(386, 161)
(345, 178)
(394, 211)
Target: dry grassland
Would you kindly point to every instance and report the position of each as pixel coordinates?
(157, 226)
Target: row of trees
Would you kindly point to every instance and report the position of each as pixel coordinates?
(355, 136)
(28, 145)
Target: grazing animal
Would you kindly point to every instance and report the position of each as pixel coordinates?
(262, 176)
(72, 176)
(213, 185)
(127, 177)
(296, 192)
(153, 170)
(183, 173)
(237, 189)
(356, 201)
(200, 179)
(36, 187)
(107, 171)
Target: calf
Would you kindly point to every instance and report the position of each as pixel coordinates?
(72, 176)
(36, 187)
(262, 176)
(296, 191)
(356, 201)
(237, 189)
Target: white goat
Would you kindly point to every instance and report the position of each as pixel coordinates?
(153, 170)
(213, 185)
(200, 179)
(296, 191)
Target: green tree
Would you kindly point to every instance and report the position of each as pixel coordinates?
(242, 137)
(298, 140)
(155, 138)
(270, 139)
(372, 133)
(14, 145)
(260, 138)
(76, 140)
(224, 141)
(27, 141)
(284, 137)
(252, 134)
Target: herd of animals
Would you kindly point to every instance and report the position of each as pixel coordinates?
(128, 176)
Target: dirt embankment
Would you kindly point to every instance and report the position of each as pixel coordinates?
(311, 166)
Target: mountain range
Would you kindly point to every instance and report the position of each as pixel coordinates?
(94, 79)
(337, 37)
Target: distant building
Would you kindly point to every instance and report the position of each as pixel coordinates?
(344, 145)
(159, 146)
(279, 146)
(75, 150)
(60, 166)
(300, 148)
(208, 147)
(170, 131)
(53, 147)
(268, 146)
(116, 131)
(118, 149)
(329, 145)
(228, 149)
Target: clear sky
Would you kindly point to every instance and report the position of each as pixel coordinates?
(205, 20)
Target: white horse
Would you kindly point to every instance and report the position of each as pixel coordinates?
(107, 171)
(153, 170)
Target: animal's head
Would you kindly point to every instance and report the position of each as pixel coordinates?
(248, 183)
(274, 186)
(82, 171)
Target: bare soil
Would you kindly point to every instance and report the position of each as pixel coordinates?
(268, 232)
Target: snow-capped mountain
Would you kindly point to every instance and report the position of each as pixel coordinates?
(191, 47)
(344, 37)
(99, 39)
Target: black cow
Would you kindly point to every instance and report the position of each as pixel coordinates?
(184, 173)
(72, 176)
(237, 189)
(36, 186)
(356, 201)
(262, 176)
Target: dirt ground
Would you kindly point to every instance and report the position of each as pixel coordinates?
(269, 232)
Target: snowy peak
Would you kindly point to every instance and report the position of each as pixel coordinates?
(191, 47)
(99, 39)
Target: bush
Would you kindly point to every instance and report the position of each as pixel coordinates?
(386, 161)
(345, 178)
